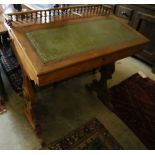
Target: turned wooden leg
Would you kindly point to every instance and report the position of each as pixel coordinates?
(101, 86)
(30, 100)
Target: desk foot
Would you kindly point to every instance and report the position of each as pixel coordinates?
(29, 116)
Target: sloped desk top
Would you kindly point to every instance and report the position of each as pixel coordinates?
(56, 51)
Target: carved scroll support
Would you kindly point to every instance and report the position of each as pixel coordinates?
(101, 86)
(31, 101)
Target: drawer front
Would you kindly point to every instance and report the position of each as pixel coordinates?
(123, 12)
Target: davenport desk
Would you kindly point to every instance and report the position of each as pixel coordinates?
(69, 41)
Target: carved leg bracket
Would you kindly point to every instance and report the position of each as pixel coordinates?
(101, 86)
(30, 100)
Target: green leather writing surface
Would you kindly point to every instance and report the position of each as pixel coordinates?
(61, 42)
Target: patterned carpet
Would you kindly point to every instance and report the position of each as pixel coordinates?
(134, 102)
(90, 136)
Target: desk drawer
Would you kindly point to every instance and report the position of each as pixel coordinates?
(123, 12)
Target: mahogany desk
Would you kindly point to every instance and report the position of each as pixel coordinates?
(52, 52)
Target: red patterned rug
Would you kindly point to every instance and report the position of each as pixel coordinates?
(134, 102)
(90, 136)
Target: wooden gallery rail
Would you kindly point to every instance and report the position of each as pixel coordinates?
(56, 14)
